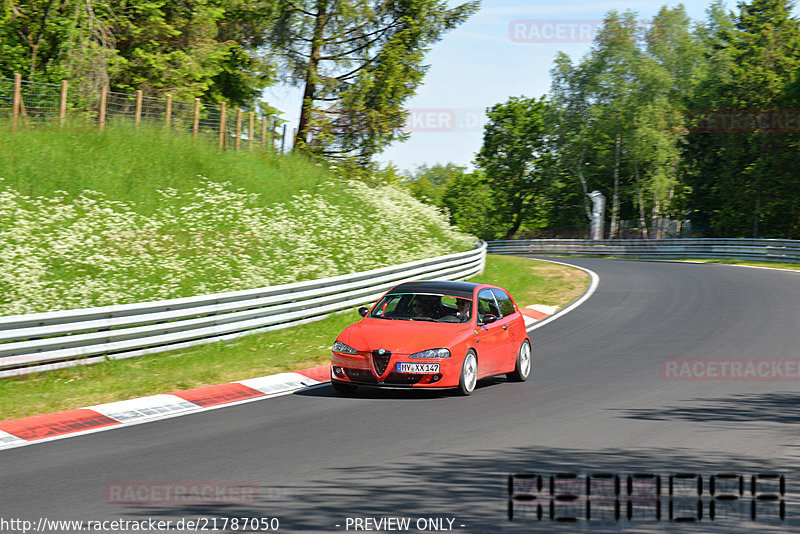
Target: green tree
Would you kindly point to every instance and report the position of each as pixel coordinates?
(469, 200)
(189, 48)
(596, 104)
(745, 173)
(358, 62)
(428, 183)
(512, 158)
(617, 118)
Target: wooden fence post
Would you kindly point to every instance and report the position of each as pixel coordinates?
(62, 105)
(17, 100)
(263, 131)
(222, 126)
(238, 128)
(272, 133)
(294, 138)
(168, 114)
(138, 116)
(250, 131)
(196, 124)
(283, 139)
(103, 102)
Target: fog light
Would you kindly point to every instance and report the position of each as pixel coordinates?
(436, 378)
(338, 371)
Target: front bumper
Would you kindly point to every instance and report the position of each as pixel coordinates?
(364, 370)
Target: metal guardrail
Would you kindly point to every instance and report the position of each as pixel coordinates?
(783, 250)
(53, 340)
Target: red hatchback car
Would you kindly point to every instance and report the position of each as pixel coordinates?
(433, 334)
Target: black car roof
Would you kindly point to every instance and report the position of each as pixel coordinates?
(444, 287)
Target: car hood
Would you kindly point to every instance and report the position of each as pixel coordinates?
(403, 337)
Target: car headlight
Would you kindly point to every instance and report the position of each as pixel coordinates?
(432, 353)
(338, 346)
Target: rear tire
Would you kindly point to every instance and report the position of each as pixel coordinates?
(344, 389)
(524, 362)
(469, 374)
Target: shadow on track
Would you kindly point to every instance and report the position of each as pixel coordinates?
(743, 409)
(407, 394)
(472, 488)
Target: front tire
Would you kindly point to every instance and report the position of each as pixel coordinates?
(469, 374)
(344, 389)
(524, 361)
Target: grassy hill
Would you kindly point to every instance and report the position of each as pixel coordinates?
(89, 219)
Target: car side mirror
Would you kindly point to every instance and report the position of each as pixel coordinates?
(489, 318)
(363, 311)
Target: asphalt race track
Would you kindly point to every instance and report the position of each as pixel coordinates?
(598, 401)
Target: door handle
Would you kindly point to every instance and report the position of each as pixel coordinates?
(505, 327)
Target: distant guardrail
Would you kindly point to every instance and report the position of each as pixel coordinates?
(783, 250)
(53, 340)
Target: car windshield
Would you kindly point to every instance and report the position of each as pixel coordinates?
(423, 307)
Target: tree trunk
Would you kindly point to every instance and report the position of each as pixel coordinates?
(35, 46)
(642, 221)
(312, 76)
(516, 205)
(757, 207)
(584, 185)
(612, 232)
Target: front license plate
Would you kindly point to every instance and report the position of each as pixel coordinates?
(417, 368)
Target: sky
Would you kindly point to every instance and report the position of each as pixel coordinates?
(506, 49)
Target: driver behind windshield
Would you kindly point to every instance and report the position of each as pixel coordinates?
(464, 309)
(424, 306)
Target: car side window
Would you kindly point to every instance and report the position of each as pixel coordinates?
(505, 302)
(487, 304)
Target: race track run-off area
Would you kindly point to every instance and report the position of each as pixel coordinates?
(670, 374)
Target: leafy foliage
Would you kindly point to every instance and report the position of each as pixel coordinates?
(633, 119)
(512, 158)
(358, 62)
(191, 48)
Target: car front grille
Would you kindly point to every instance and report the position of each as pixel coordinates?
(380, 361)
(360, 375)
(402, 379)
